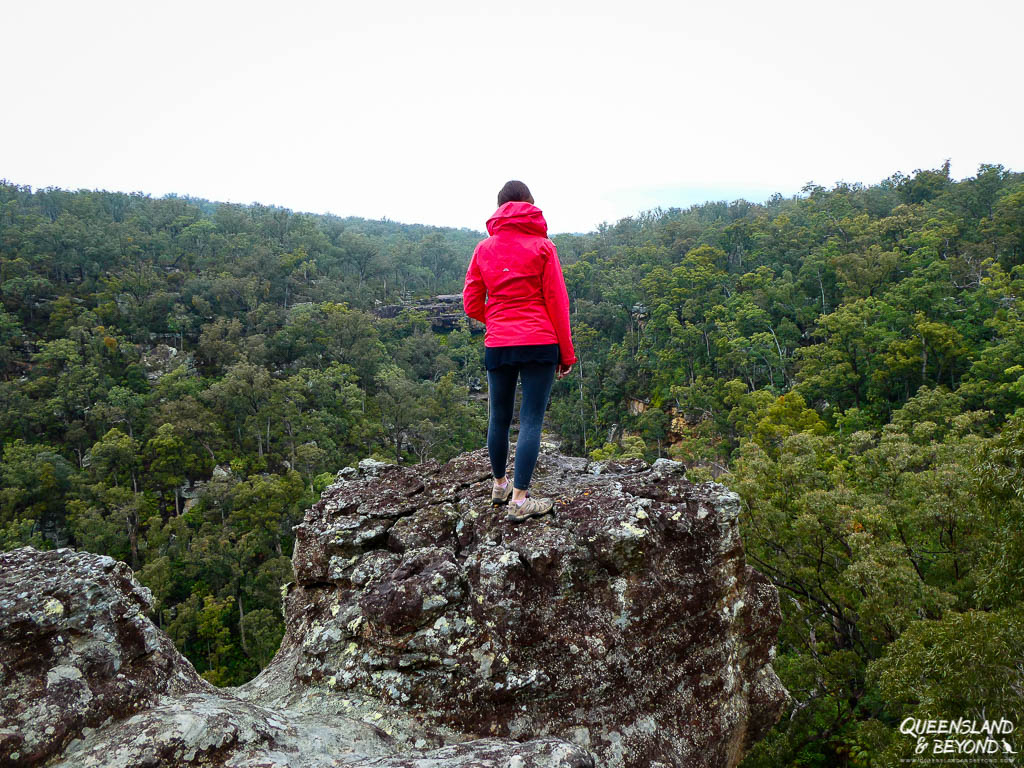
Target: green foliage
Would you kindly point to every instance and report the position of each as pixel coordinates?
(889, 558)
(632, 447)
(263, 629)
(962, 665)
(35, 479)
(180, 379)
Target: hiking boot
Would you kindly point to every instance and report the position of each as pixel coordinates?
(530, 508)
(501, 496)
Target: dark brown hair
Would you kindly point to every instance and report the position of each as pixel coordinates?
(514, 191)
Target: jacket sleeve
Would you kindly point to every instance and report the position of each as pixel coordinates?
(556, 298)
(473, 291)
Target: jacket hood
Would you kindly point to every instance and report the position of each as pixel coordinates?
(519, 217)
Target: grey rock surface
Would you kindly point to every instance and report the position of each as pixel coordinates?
(624, 629)
(76, 649)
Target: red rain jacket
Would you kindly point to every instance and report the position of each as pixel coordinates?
(518, 270)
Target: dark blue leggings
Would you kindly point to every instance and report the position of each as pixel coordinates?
(537, 379)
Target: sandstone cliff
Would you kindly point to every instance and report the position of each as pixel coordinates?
(623, 630)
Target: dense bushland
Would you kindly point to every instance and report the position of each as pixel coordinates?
(850, 360)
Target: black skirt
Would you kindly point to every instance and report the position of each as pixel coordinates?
(495, 357)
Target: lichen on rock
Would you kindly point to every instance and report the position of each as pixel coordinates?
(624, 629)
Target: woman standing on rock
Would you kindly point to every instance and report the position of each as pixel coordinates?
(527, 336)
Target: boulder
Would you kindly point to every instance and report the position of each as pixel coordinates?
(76, 650)
(624, 629)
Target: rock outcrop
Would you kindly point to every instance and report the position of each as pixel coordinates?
(624, 630)
(445, 312)
(76, 650)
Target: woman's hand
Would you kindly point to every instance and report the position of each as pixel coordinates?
(563, 370)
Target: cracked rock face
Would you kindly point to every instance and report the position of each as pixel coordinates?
(76, 648)
(624, 629)
(626, 622)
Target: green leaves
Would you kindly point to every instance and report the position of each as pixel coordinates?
(897, 555)
(853, 356)
(963, 665)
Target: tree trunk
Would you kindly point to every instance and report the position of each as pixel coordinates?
(133, 539)
(241, 626)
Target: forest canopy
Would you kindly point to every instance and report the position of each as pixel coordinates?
(180, 378)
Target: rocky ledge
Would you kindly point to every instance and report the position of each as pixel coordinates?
(624, 630)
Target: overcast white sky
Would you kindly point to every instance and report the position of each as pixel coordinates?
(419, 111)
